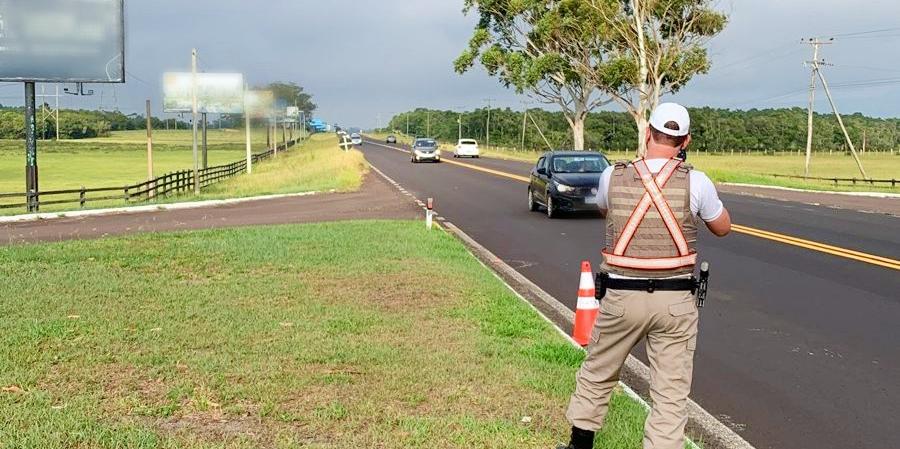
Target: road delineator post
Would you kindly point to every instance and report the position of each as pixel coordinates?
(588, 307)
(429, 214)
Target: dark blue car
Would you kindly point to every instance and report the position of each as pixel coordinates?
(566, 181)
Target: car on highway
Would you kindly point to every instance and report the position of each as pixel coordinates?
(391, 139)
(466, 148)
(424, 149)
(356, 139)
(566, 181)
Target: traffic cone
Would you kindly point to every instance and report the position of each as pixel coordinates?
(588, 307)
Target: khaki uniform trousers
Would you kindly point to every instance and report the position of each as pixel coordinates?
(669, 322)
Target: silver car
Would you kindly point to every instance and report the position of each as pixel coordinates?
(425, 150)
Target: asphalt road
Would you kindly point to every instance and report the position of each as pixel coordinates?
(798, 348)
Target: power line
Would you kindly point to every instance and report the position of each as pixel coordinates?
(859, 33)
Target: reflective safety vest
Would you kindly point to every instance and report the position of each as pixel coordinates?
(649, 221)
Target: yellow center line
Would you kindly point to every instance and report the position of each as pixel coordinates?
(488, 170)
(846, 253)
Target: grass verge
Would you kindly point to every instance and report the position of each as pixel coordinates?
(355, 334)
(316, 165)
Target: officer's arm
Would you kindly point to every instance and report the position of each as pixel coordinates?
(711, 209)
(721, 226)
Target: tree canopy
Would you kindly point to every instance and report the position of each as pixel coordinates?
(535, 46)
(714, 130)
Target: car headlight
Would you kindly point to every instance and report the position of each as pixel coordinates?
(562, 188)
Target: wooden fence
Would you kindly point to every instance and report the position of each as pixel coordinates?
(163, 186)
(838, 181)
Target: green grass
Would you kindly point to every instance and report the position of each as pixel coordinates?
(317, 165)
(118, 160)
(314, 165)
(355, 334)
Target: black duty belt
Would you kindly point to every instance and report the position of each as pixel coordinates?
(648, 285)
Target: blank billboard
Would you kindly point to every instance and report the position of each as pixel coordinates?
(217, 93)
(62, 41)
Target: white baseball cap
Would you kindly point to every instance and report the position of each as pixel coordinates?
(671, 112)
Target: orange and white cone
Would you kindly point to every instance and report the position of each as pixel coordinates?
(588, 307)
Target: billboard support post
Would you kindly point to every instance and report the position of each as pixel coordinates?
(149, 150)
(205, 122)
(194, 119)
(31, 167)
(247, 125)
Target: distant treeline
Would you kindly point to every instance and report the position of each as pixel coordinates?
(75, 124)
(713, 129)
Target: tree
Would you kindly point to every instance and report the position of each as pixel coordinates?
(290, 94)
(535, 46)
(652, 48)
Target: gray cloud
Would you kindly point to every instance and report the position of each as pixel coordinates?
(363, 59)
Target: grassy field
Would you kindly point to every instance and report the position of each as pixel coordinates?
(314, 165)
(117, 160)
(755, 168)
(356, 334)
(317, 165)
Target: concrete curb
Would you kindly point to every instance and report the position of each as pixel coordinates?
(712, 432)
(147, 208)
(826, 192)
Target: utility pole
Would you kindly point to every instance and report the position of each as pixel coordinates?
(428, 123)
(817, 64)
(149, 149)
(459, 123)
(31, 169)
(203, 118)
(487, 143)
(248, 142)
(194, 120)
(863, 150)
(524, 121)
(814, 68)
(407, 123)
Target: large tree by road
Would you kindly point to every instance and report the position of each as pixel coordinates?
(535, 46)
(650, 48)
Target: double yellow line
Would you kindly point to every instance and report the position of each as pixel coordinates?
(820, 247)
(880, 261)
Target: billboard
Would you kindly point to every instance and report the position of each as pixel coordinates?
(62, 41)
(292, 114)
(260, 103)
(217, 93)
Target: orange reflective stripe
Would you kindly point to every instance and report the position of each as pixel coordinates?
(662, 206)
(637, 216)
(663, 263)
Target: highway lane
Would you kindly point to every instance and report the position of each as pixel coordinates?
(798, 348)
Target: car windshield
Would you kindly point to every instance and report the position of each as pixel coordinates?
(425, 143)
(467, 142)
(579, 164)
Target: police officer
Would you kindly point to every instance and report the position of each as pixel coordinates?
(653, 206)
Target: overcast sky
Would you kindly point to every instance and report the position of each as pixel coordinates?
(365, 58)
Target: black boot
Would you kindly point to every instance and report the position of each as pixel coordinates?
(581, 439)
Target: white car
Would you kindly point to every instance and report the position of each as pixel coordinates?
(356, 139)
(466, 148)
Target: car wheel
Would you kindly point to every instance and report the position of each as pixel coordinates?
(532, 205)
(551, 208)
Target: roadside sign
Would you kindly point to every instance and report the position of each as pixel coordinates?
(62, 41)
(217, 93)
